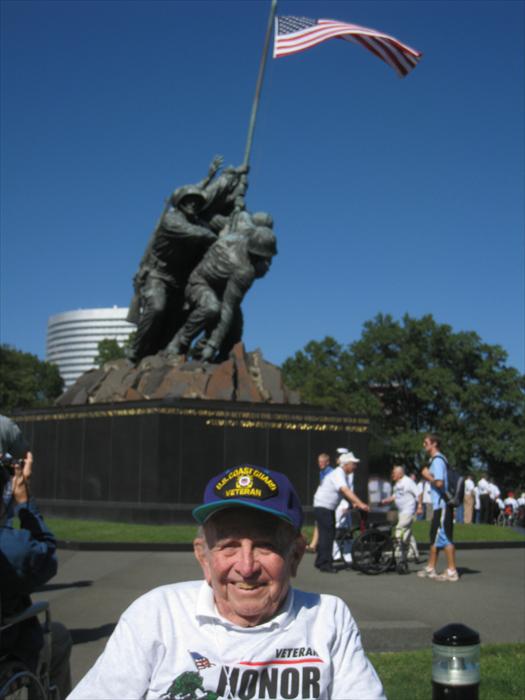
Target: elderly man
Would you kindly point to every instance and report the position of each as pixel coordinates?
(332, 490)
(243, 632)
(406, 498)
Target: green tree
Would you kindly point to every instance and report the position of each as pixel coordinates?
(108, 349)
(415, 376)
(26, 381)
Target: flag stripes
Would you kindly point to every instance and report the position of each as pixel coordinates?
(293, 34)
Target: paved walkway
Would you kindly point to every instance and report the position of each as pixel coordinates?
(394, 612)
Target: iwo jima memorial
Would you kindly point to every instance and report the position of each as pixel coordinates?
(137, 439)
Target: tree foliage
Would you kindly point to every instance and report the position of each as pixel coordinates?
(26, 381)
(108, 349)
(415, 376)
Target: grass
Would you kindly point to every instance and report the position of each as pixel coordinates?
(471, 533)
(100, 531)
(408, 674)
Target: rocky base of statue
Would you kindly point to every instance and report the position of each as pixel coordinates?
(245, 376)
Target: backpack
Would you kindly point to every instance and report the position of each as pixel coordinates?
(456, 486)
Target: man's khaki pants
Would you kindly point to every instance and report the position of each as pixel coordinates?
(468, 508)
(403, 532)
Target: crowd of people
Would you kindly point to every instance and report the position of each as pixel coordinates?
(419, 495)
(483, 502)
(240, 630)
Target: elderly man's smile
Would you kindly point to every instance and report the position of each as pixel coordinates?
(246, 563)
(243, 585)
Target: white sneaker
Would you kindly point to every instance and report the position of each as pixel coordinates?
(427, 573)
(447, 576)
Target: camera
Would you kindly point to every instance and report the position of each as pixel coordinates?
(8, 462)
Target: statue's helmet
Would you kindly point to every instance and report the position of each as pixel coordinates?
(186, 192)
(261, 241)
(262, 218)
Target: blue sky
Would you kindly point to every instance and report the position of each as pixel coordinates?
(389, 195)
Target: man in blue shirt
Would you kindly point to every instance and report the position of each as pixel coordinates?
(325, 468)
(443, 517)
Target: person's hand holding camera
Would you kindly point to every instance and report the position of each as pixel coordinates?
(27, 469)
(20, 484)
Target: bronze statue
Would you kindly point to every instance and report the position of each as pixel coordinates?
(189, 224)
(217, 287)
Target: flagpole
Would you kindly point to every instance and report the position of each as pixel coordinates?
(258, 86)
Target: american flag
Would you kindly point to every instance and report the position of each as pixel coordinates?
(294, 34)
(201, 662)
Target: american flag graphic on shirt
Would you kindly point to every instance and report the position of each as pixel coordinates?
(201, 662)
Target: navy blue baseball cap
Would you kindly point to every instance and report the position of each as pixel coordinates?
(251, 487)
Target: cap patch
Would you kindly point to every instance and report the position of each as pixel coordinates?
(248, 482)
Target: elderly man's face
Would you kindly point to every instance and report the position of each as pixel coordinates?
(397, 474)
(323, 461)
(349, 467)
(248, 558)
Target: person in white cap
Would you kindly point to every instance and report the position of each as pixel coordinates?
(326, 499)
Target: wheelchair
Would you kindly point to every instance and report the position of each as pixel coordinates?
(346, 534)
(506, 517)
(377, 550)
(17, 682)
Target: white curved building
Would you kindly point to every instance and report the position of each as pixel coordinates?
(73, 338)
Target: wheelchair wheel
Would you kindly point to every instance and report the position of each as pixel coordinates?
(402, 567)
(500, 520)
(373, 552)
(18, 683)
(402, 551)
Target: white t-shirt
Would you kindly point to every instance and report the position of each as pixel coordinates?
(484, 487)
(477, 501)
(172, 641)
(469, 485)
(328, 494)
(405, 495)
(494, 492)
(427, 498)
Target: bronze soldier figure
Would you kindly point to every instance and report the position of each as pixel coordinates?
(218, 285)
(178, 244)
(188, 226)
